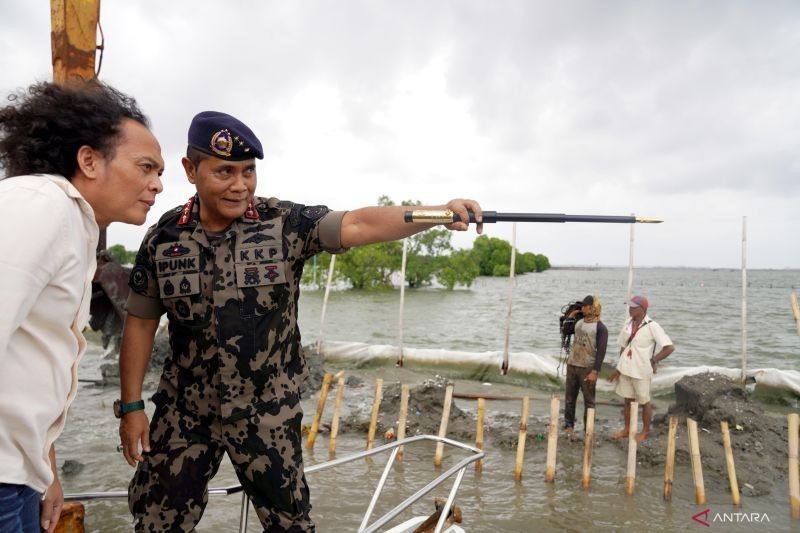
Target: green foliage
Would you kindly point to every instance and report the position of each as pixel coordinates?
(542, 262)
(426, 253)
(459, 268)
(370, 266)
(121, 255)
(493, 257)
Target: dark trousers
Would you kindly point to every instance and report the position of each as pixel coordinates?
(575, 383)
(19, 509)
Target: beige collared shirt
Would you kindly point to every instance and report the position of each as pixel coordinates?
(47, 262)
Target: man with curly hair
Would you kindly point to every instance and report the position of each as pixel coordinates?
(75, 159)
(585, 361)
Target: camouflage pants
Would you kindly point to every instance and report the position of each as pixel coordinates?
(169, 490)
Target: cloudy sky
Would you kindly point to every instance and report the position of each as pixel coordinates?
(687, 111)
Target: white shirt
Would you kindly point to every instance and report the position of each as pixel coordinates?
(48, 238)
(634, 361)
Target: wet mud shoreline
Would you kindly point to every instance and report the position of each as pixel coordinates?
(759, 439)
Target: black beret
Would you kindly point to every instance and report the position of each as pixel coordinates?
(224, 137)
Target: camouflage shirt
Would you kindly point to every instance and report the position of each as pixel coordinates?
(231, 301)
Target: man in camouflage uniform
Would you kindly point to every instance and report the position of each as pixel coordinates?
(226, 268)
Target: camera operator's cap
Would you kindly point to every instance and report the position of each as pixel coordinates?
(639, 301)
(589, 300)
(224, 137)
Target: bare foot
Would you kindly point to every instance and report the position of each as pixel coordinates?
(620, 435)
(641, 437)
(569, 430)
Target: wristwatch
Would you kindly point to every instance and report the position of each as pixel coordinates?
(122, 409)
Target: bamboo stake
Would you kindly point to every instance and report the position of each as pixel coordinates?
(479, 432)
(744, 301)
(325, 303)
(337, 408)
(669, 470)
(794, 475)
(402, 304)
(795, 310)
(630, 478)
(376, 406)
(523, 436)
(588, 442)
(323, 397)
(697, 467)
(726, 443)
(630, 274)
(401, 424)
(448, 400)
(512, 268)
(552, 441)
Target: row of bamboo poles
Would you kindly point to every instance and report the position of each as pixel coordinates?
(552, 441)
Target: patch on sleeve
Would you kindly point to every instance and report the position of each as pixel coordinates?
(314, 212)
(139, 278)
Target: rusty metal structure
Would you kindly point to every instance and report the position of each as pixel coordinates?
(73, 37)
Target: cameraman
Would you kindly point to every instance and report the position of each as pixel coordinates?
(585, 359)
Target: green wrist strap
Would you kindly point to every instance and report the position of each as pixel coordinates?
(126, 408)
(121, 409)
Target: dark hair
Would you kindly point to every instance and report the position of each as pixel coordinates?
(195, 156)
(43, 128)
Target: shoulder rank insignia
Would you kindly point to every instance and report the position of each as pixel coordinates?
(187, 212)
(251, 211)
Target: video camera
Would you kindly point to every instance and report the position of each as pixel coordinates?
(566, 323)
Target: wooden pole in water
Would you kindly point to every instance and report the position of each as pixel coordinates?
(669, 470)
(697, 466)
(337, 409)
(744, 301)
(479, 432)
(588, 442)
(630, 477)
(630, 273)
(795, 309)
(402, 304)
(376, 406)
(552, 441)
(325, 303)
(512, 268)
(794, 474)
(323, 397)
(401, 423)
(726, 443)
(448, 400)
(523, 436)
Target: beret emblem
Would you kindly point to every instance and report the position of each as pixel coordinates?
(222, 143)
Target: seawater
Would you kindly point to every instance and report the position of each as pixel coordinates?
(699, 309)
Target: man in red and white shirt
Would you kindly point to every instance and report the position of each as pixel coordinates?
(638, 341)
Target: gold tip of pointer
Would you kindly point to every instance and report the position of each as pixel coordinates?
(649, 220)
